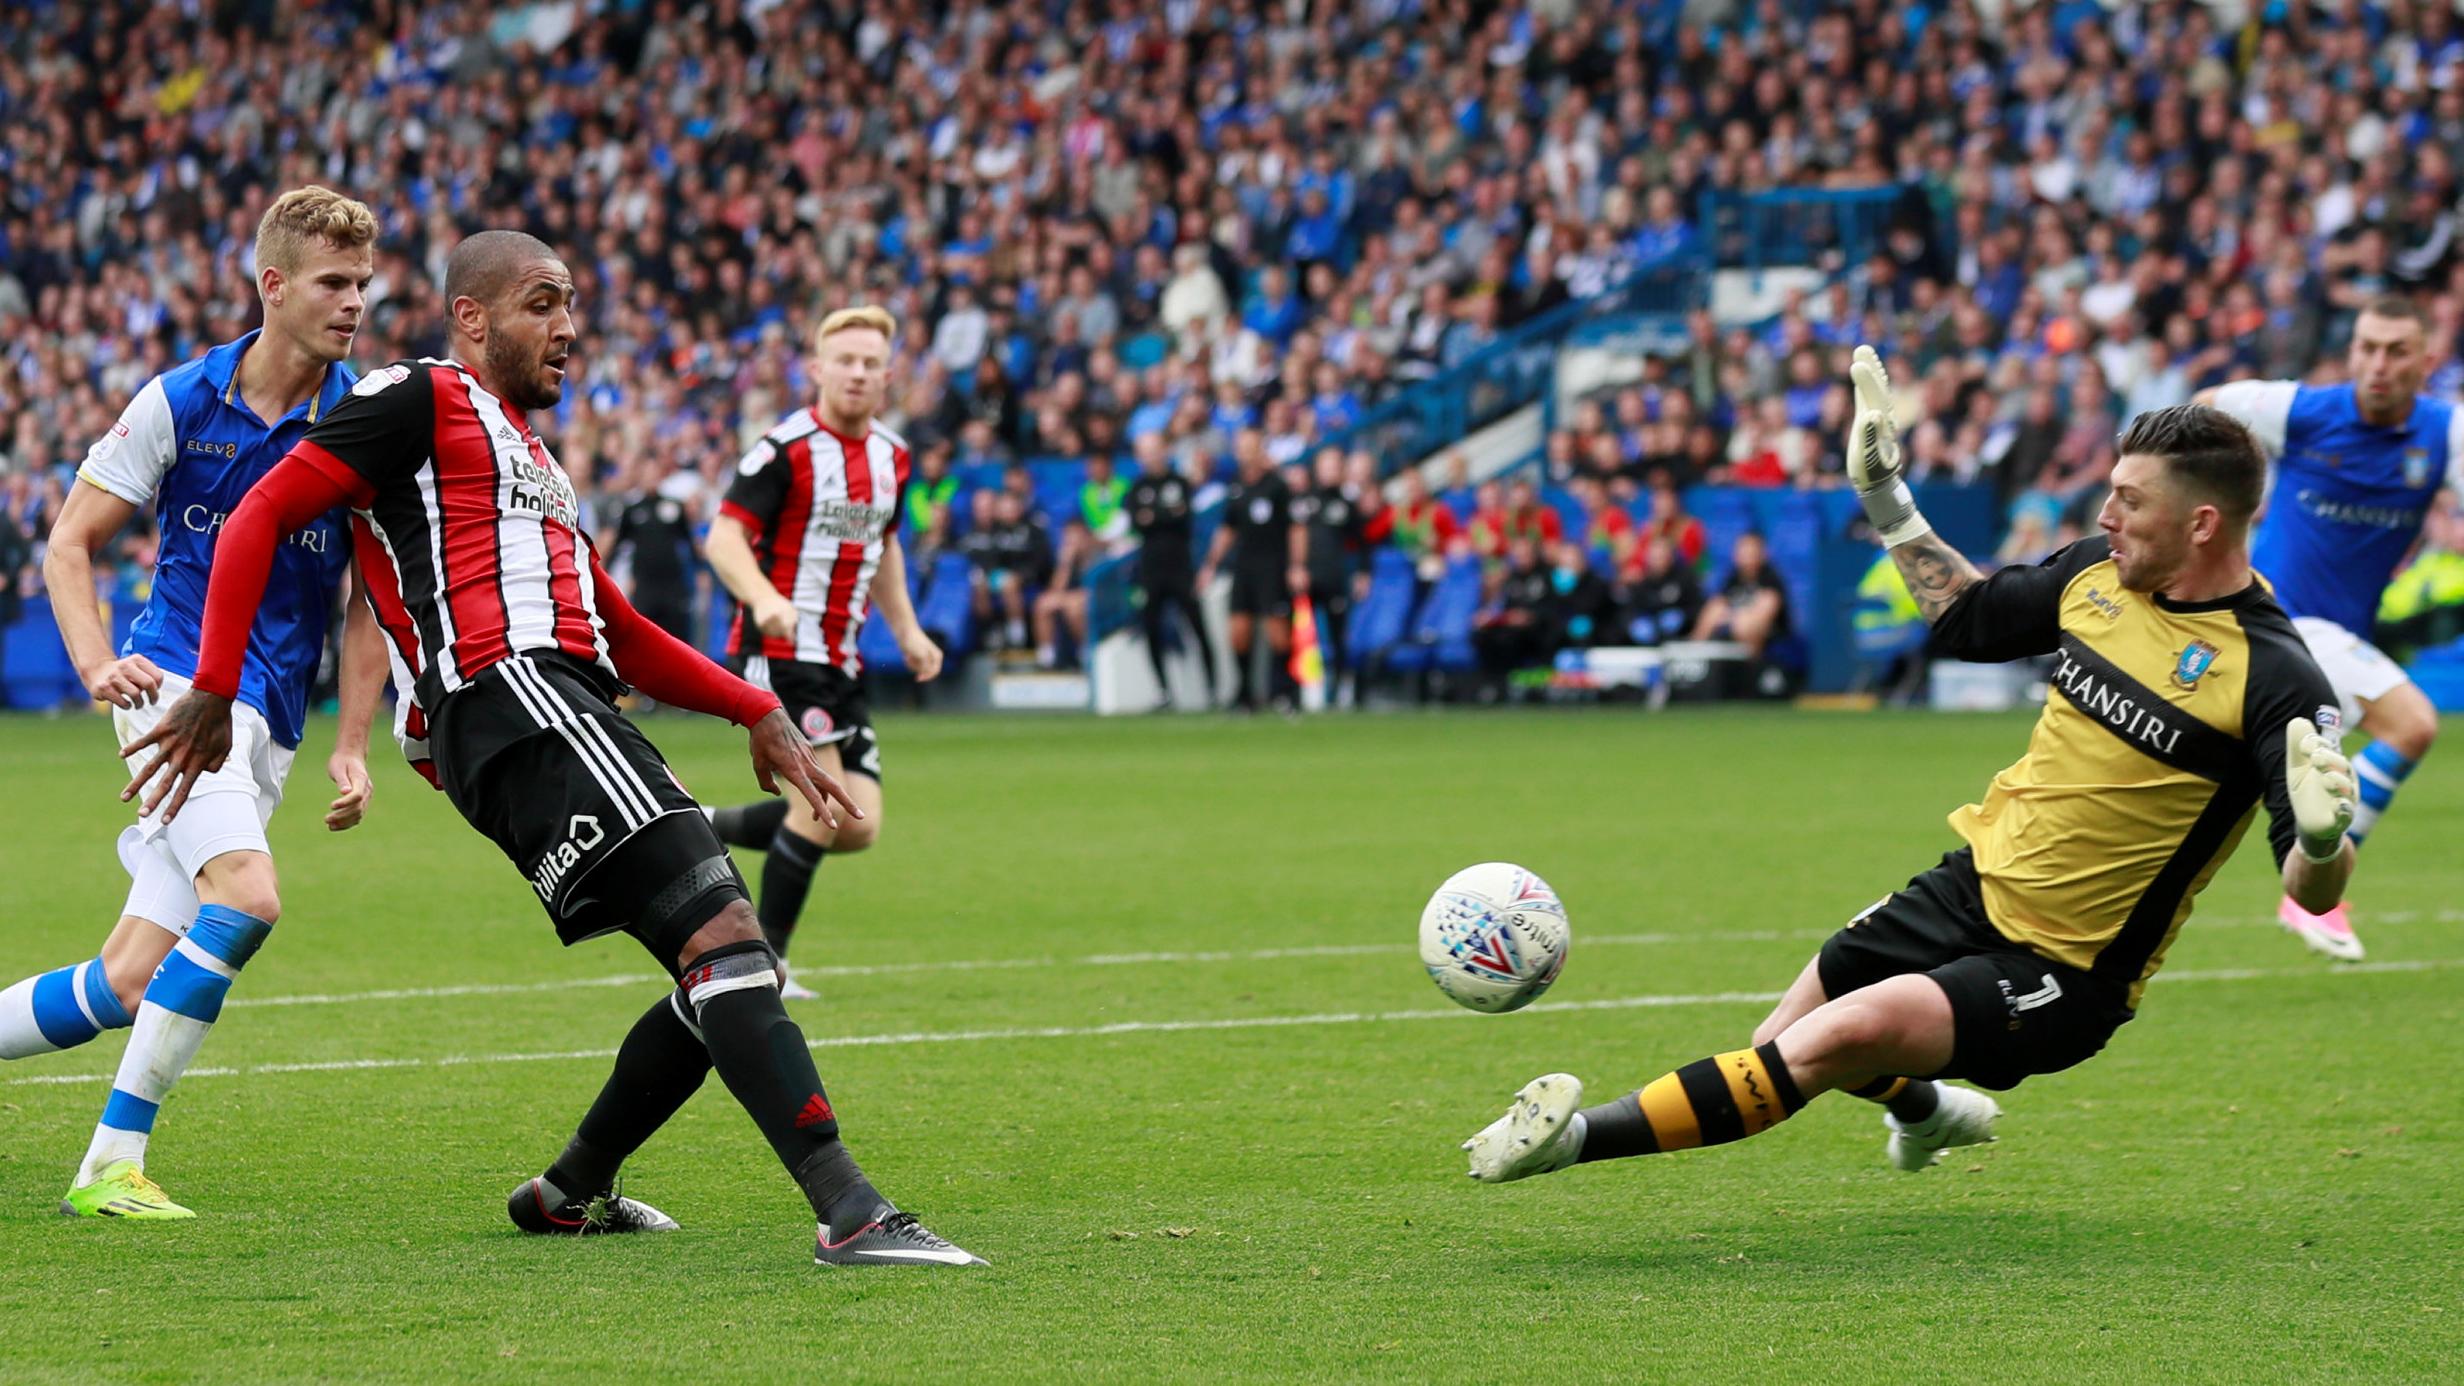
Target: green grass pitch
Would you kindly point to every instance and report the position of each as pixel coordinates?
(1132, 1009)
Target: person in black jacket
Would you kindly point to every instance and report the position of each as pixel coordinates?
(1327, 521)
(1160, 507)
(1664, 597)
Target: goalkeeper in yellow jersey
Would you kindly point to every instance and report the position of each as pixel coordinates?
(2181, 699)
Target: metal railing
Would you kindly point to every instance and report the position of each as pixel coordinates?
(1830, 227)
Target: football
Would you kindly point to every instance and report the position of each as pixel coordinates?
(1493, 937)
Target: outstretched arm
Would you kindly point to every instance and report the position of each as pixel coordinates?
(1936, 572)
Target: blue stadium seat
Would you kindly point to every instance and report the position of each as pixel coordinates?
(1057, 480)
(947, 609)
(37, 665)
(1380, 620)
(1442, 633)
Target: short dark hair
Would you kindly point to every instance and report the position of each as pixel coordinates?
(484, 265)
(2207, 450)
(2399, 306)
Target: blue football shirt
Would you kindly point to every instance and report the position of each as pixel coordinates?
(190, 447)
(2345, 498)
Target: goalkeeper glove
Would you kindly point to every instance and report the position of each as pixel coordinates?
(2319, 781)
(1873, 456)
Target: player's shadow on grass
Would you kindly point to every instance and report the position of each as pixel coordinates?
(1915, 1242)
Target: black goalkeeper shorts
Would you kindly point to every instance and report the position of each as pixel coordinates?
(2014, 1011)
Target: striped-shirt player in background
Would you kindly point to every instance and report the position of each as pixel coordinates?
(511, 644)
(2357, 467)
(806, 537)
(202, 893)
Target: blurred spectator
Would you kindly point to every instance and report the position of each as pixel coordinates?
(1662, 595)
(930, 493)
(651, 548)
(1011, 548)
(1670, 521)
(1486, 527)
(1580, 605)
(1061, 608)
(1514, 628)
(1424, 530)
(1100, 504)
(1751, 605)
(1608, 533)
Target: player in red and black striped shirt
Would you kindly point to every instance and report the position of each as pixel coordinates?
(510, 645)
(807, 540)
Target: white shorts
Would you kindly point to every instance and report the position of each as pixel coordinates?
(2354, 666)
(226, 811)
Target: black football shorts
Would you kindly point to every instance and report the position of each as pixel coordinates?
(2014, 1011)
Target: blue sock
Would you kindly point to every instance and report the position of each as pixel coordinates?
(59, 1009)
(180, 1006)
(2378, 772)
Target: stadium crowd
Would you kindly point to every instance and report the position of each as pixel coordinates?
(1117, 231)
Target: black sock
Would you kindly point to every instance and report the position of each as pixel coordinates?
(761, 1056)
(661, 1063)
(749, 825)
(786, 878)
(1909, 1099)
(1240, 679)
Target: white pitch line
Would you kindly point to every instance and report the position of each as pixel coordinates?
(1217, 955)
(1173, 1027)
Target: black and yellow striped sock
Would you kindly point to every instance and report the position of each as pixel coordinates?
(1713, 1101)
(1909, 1099)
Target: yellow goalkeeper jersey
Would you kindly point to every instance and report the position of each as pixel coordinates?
(2163, 731)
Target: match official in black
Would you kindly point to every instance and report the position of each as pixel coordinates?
(1159, 508)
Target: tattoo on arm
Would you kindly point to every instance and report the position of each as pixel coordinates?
(1936, 573)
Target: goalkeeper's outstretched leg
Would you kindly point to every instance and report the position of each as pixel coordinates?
(1896, 1026)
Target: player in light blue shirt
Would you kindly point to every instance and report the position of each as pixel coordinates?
(2357, 468)
(202, 896)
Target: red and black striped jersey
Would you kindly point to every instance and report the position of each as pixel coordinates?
(821, 508)
(471, 547)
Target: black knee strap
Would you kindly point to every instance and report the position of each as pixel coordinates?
(685, 904)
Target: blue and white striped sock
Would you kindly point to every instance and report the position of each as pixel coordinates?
(60, 1009)
(179, 1007)
(2378, 772)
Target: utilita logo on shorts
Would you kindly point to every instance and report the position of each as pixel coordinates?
(582, 834)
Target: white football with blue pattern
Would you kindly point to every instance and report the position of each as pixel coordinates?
(1493, 937)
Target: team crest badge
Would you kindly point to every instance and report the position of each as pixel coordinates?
(2192, 664)
(817, 724)
(2416, 466)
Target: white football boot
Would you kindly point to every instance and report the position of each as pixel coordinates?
(1966, 1117)
(1540, 1134)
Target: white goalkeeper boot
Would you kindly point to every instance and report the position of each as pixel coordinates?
(1966, 1117)
(1540, 1134)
